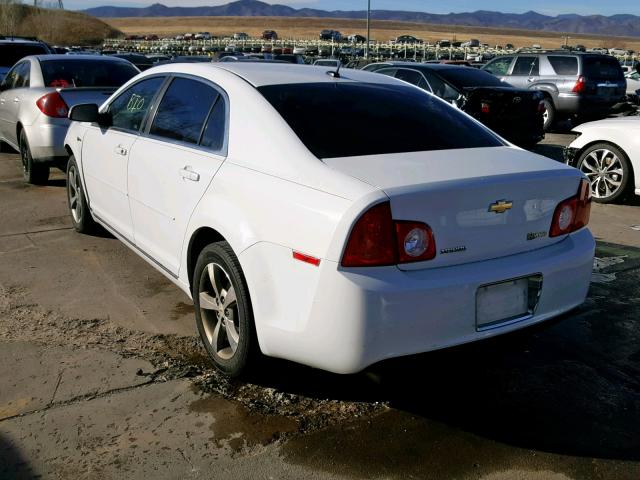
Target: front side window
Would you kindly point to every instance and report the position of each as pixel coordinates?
(10, 78)
(129, 110)
(318, 111)
(183, 110)
(499, 66)
(526, 66)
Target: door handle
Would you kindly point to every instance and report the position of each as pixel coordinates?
(188, 174)
(16, 100)
(120, 150)
(531, 79)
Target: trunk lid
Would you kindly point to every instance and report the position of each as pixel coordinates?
(505, 102)
(453, 192)
(77, 96)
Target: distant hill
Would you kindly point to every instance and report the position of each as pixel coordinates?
(59, 27)
(615, 25)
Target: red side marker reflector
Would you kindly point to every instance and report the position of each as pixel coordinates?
(306, 258)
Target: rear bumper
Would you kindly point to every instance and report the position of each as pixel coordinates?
(587, 106)
(359, 317)
(46, 141)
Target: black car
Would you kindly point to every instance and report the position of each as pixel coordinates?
(513, 113)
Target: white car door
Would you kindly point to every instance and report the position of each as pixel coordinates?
(105, 154)
(172, 165)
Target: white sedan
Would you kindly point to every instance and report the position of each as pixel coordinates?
(608, 153)
(332, 219)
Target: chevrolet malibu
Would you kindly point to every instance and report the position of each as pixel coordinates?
(405, 227)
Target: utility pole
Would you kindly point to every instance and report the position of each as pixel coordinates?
(366, 48)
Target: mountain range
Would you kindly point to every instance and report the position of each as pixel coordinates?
(616, 25)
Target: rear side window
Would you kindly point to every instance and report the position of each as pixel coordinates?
(382, 119)
(526, 66)
(214, 132)
(10, 53)
(564, 65)
(183, 110)
(414, 77)
(86, 73)
(603, 68)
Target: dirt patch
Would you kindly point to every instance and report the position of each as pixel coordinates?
(240, 428)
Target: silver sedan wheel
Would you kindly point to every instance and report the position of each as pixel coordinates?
(75, 203)
(219, 311)
(604, 170)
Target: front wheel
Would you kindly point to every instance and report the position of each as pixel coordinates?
(608, 170)
(224, 316)
(80, 215)
(34, 173)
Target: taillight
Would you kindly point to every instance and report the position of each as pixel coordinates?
(541, 106)
(52, 105)
(580, 86)
(415, 242)
(485, 107)
(573, 213)
(376, 240)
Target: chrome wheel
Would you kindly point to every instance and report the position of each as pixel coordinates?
(73, 189)
(545, 116)
(604, 170)
(219, 311)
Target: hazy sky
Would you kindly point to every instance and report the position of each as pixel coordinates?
(549, 7)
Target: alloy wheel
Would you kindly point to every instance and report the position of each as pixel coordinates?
(75, 203)
(604, 170)
(219, 311)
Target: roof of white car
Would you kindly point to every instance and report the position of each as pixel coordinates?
(261, 74)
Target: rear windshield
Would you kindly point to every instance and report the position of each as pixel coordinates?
(469, 77)
(10, 53)
(86, 73)
(564, 65)
(607, 68)
(354, 119)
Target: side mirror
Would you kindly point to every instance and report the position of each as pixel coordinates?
(86, 112)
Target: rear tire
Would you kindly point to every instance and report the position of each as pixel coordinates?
(81, 217)
(224, 315)
(609, 172)
(34, 173)
(549, 114)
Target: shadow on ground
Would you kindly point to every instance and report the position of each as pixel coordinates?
(568, 387)
(12, 464)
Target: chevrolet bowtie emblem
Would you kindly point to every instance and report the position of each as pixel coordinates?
(500, 206)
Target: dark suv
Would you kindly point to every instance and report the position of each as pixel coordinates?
(578, 84)
(13, 49)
